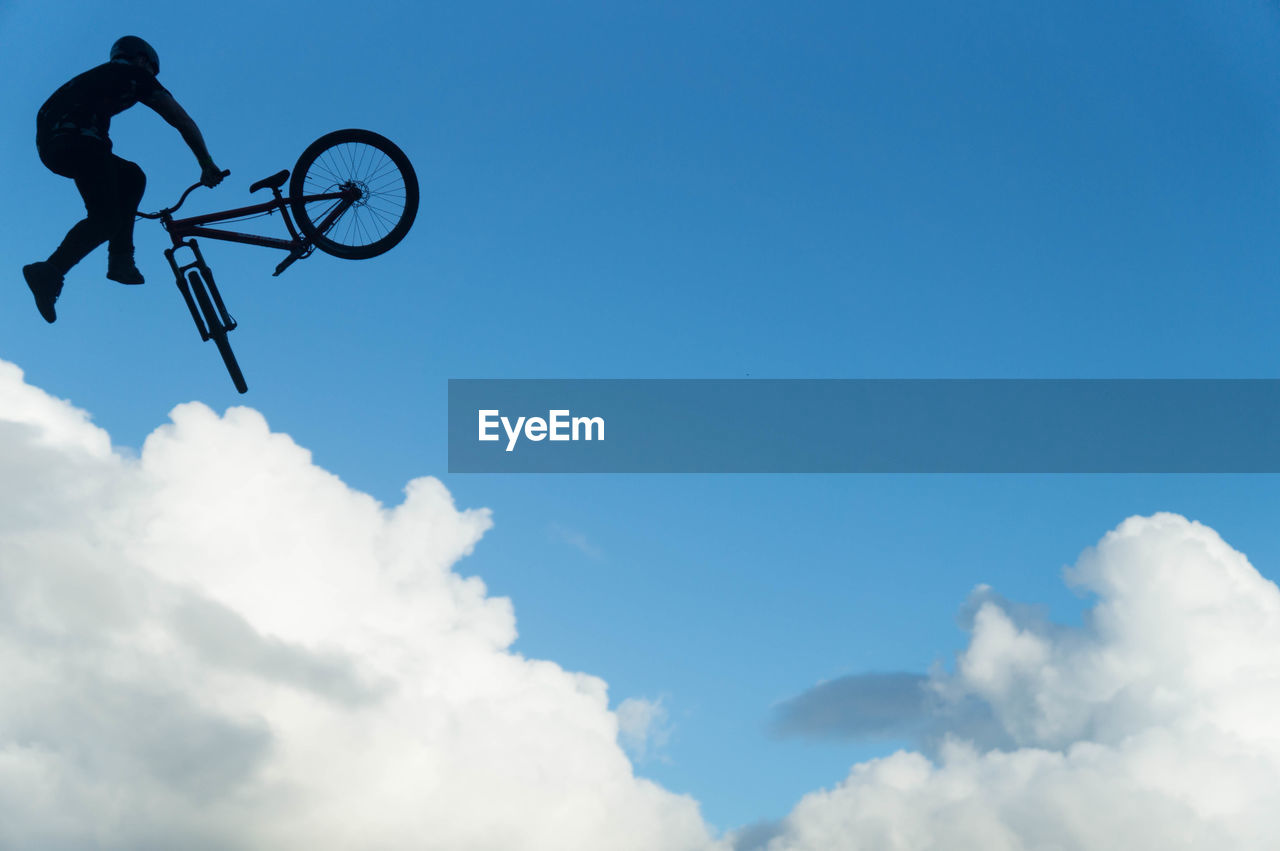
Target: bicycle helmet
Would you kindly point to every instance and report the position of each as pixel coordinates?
(130, 47)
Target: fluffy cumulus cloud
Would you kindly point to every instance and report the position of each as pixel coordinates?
(1152, 726)
(215, 644)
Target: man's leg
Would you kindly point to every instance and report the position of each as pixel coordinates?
(88, 163)
(83, 160)
(130, 184)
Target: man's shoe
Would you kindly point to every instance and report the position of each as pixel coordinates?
(123, 270)
(46, 286)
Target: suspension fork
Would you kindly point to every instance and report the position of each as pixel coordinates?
(184, 287)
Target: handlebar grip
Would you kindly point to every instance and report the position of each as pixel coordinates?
(226, 173)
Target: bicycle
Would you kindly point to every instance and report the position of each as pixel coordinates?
(353, 194)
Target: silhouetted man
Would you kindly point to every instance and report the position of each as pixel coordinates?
(72, 140)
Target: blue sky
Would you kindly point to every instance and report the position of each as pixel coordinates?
(718, 190)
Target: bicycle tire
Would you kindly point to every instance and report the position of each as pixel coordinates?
(217, 330)
(388, 201)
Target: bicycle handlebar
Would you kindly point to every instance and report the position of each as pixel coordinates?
(181, 201)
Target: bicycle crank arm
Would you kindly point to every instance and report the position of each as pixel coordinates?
(296, 254)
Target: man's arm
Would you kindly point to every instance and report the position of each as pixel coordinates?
(167, 108)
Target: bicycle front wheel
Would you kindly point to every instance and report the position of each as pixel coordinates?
(368, 167)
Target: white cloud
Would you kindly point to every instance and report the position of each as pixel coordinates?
(577, 540)
(217, 644)
(1153, 726)
(643, 726)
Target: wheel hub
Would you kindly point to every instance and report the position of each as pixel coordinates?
(358, 191)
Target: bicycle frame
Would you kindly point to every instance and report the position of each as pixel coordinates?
(298, 246)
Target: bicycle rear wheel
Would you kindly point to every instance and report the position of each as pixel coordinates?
(217, 330)
(350, 160)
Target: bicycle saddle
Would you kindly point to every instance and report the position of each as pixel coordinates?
(275, 181)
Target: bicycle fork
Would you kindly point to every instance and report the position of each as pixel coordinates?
(223, 317)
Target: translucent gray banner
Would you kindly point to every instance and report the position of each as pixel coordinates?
(864, 426)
